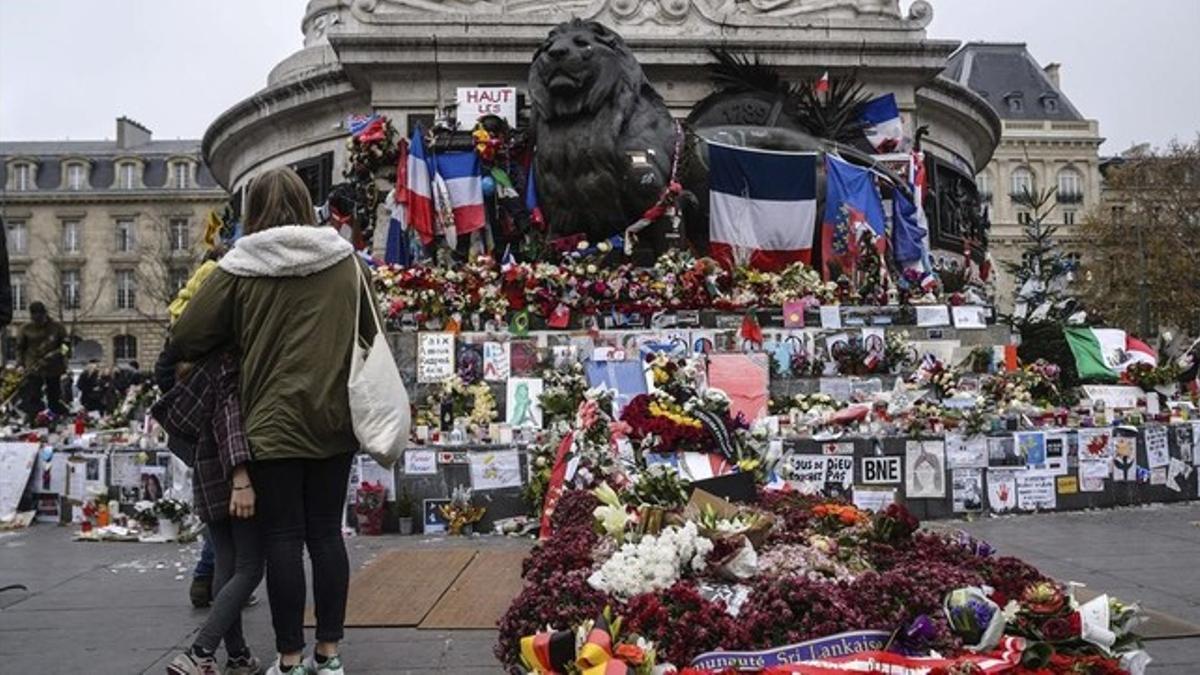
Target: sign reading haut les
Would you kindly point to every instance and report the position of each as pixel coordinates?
(841, 644)
(475, 102)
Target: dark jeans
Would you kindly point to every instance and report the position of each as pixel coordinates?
(205, 566)
(300, 504)
(34, 402)
(237, 544)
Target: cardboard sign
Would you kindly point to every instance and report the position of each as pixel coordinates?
(435, 357)
(420, 462)
(874, 499)
(1114, 396)
(1067, 485)
(496, 359)
(476, 102)
(1035, 491)
(881, 470)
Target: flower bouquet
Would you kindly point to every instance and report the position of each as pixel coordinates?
(460, 513)
(170, 514)
(370, 508)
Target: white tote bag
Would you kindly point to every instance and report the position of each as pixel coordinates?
(378, 400)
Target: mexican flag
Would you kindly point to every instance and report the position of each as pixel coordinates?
(1105, 353)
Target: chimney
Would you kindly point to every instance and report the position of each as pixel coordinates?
(131, 134)
(1051, 71)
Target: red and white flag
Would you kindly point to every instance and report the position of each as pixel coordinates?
(822, 86)
(419, 188)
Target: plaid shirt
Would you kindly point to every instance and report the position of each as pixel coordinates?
(205, 410)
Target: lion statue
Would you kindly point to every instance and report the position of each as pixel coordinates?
(605, 139)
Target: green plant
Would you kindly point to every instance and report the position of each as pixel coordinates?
(404, 505)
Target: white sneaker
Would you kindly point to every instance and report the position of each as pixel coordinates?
(298, 669)
(332, 666)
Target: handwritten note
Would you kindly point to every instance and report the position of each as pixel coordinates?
(435, 357)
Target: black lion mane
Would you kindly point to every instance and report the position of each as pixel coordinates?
(586, 182)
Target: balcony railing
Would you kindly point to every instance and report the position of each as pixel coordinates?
(1069, 197)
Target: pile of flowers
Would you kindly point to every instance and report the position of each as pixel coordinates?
(584, 285)
(692, 575)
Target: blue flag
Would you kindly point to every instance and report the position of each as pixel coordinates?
(852, 205)
(908, 237)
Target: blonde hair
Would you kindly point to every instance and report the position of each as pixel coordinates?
(278, 197)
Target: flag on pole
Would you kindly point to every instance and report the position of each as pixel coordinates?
(910, 230)
(1105, 353)
(763, 206)
(419, 188)
(882, 124)
(852, 205)
(531, 199)
(822, 86)
(464, 184)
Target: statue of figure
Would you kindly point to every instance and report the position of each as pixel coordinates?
(605, 140)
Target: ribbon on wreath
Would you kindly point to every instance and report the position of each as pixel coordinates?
(554, 489)
(550, 653)
(1003, 660)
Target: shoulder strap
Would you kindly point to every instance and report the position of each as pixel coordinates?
(364, 289)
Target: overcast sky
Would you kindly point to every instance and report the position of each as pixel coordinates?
(69, 67)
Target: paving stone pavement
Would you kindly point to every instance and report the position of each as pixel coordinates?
(123, 608)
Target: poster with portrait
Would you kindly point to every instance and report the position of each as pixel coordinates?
(925, 470)
(967, 490)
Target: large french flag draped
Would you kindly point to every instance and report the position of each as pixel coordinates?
(882, 124)
(763, 206)
(852, 205)
(419, 188)
(464, 183)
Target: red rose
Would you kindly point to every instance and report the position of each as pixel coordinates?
(1076, 623)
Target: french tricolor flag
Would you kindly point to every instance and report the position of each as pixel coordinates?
(419, 188)
(763, 206)
(882, 124)
(464, 182)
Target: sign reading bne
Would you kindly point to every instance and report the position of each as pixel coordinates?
(881, 470)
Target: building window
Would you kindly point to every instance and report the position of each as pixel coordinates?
(70, 289)
(1068, 217)
(10, 347)
(126, 236)
(1022, 182)
(126, 290)
(984, 183)
(20, 291)
(70, 236)
(1024, 217)
(1070, 187)
(178, 230)
(18, 238)
(125, 174)
(22, 177)
(181, 175)
(178, 278)
(125, 348)
(1118, 215)
(76, 177)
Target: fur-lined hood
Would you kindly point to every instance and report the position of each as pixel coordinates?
(286, 251)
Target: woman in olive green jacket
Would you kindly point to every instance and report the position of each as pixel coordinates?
(285, 298)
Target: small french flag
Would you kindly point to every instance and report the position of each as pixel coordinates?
(822, 86)
(419, 188)
(882, 124)
(464, 183)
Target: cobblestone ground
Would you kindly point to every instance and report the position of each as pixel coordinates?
(123, 608)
